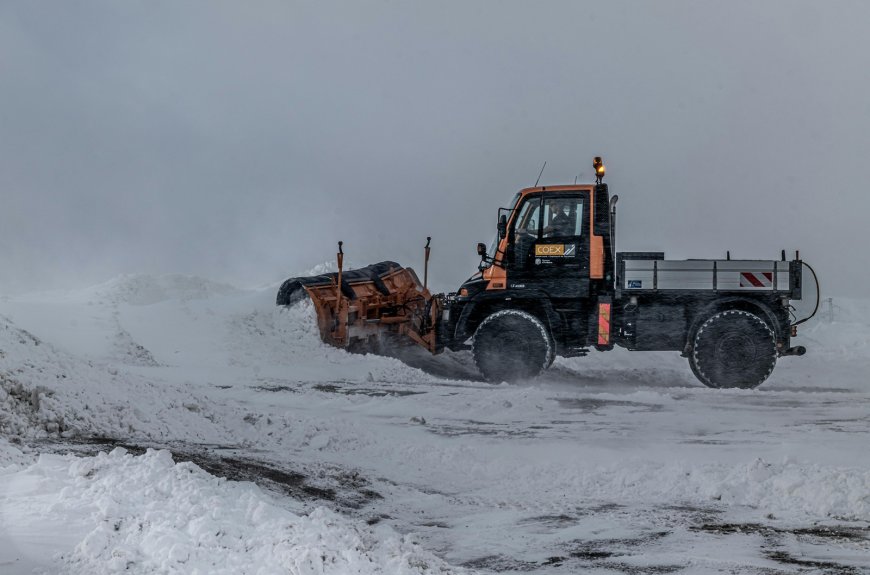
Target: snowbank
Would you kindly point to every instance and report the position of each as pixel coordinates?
(241, 338)
(10, 455)
(247, 330)
(141, 289)
(120, 513)
(47, 392)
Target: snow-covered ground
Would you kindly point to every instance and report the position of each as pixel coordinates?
(175, 425)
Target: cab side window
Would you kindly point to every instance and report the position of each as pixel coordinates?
(563, 217)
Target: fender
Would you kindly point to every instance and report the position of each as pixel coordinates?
(742, 303)
(535, 302)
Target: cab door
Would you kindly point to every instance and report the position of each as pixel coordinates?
(550, 245)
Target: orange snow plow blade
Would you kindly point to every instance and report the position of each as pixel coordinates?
(365, 309)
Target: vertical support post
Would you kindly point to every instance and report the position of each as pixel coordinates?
(426, 264)
(715, 276)
(340, 259)
(339, 327)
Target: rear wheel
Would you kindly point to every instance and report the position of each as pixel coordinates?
(733, 348)
(511, 345)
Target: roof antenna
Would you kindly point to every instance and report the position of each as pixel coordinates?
(539, 175)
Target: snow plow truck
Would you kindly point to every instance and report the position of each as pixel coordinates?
(552, 284)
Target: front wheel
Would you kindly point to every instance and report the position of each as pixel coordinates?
(511, 345)
(733, 348)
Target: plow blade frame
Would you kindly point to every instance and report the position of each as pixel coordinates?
(377, 305)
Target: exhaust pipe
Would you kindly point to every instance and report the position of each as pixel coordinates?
(797, 350)
(613, 200)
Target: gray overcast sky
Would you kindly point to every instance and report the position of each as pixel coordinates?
(240, 141)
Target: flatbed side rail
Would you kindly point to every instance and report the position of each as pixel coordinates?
(653, 274)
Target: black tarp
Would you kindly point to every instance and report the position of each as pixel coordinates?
(293, 290)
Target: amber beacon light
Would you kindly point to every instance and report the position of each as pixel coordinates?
(599, 168)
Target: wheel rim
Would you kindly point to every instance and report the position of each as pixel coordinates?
(511, 345)
(739, 351)
(735, 348)
(517, 347)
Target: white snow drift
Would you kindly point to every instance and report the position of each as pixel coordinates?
(148, 514)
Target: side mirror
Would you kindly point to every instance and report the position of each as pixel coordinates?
(502, 226)
(481, 250)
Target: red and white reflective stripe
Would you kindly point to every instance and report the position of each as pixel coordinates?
(604, 324)
(756, 279)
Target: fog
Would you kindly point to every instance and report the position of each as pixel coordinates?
(241, 141)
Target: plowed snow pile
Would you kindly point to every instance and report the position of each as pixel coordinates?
(148, 515)
(45, 391)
